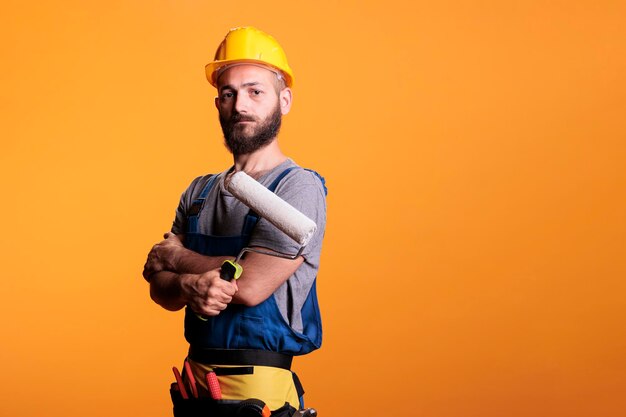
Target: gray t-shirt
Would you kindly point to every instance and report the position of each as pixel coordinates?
(223, 215)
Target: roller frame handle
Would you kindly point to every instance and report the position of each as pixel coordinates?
(229, 271)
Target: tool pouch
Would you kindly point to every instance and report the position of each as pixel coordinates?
(208, 407)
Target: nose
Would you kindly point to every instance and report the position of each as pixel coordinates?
(241, 103)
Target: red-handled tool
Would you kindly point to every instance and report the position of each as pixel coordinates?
(179, 382)
(192, 380)
(213, 385)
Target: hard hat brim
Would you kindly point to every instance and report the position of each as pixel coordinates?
(212, 69)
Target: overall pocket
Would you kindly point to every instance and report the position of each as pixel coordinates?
(251, 333)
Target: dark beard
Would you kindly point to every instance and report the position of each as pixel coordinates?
(240, 144)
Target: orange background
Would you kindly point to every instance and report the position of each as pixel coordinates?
(474, 260)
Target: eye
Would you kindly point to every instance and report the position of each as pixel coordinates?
(227, 95)
(256, 92)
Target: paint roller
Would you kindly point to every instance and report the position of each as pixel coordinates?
(273, 209)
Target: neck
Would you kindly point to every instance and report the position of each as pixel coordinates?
(260, 161)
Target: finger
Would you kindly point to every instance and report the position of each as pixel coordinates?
(171, 236)
(224, 289)
(205, 311)
(224, 299)
(218, 295)
(147, 269)
(213, 308)
(230, 288)
(218, 305)
(171, 239)
(146, 272)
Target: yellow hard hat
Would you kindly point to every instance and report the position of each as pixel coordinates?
(249, 45)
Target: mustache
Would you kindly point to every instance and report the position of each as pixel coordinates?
(238, 117)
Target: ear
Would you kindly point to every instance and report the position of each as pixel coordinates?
(217, 102)
(285, 97)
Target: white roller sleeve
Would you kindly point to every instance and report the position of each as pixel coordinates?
(272, 208)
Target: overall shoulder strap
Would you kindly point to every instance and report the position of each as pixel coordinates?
(320, 178)
(274, 184)
(196, 206)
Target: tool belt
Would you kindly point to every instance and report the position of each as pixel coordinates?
(238, 363)
(208, 407)
(240, 357)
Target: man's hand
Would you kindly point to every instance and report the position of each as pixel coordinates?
(207, 293)
(179, 276)
(163, 255)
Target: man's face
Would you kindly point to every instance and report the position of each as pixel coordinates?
(249, 106)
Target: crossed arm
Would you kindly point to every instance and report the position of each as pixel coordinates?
(179, 277)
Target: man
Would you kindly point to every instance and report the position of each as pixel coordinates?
(245, 330)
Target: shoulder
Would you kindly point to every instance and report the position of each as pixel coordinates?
(301, 178)
(198, 184)
(195, 189)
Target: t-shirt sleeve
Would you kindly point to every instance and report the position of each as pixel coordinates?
(305, 192)
(179, 225)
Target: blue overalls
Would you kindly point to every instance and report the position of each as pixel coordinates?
(261, 327)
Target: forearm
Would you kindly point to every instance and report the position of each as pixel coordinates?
(206, 294)
(190, 262)
(173, 272)
(170, 255)
(261, 277)
(166, 289)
